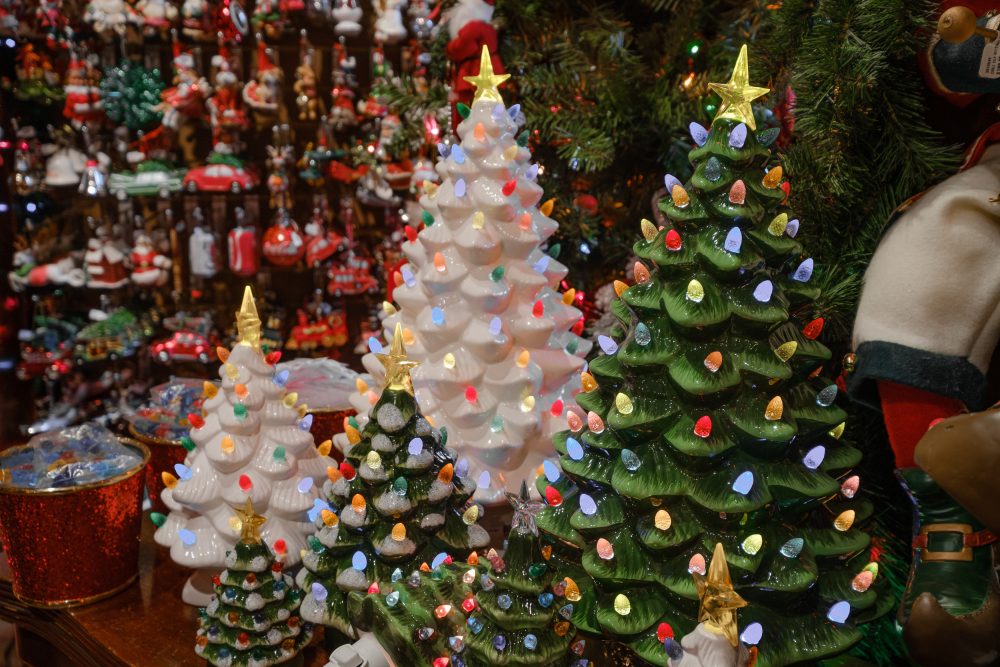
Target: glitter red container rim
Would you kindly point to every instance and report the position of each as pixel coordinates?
(135, 435)
(55, 491)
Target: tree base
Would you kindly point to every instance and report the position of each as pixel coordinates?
(366, 652)
(198, 589)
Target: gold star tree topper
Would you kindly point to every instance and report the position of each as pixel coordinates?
(486, 81)
(737, 94)
(719, 601)
(397, 366)
(248, 322)
(250, 523)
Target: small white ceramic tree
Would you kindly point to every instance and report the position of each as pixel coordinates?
(252, 441)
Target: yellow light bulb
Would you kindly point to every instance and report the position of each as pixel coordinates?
(373, 460)
(844, 520)
(778, 225)
(680, 196)
(290, 399)
(572, 591)
(399, 532)
(772, 177)
(775, 408)
(353, 435)
(662, 520)
(648, 229)
(471, 515)
(785, 351)
(837, 431)
(623, 404)
(361, 385)
(695, 291)
(324, 448)
(231, 371)
(478, 220)
(510, 152)
(752, 544)
(568, 296)
(528, 404)
(358, 503)
(227, 445)
(448, 361)
(620, 287)
(622, 605)
(524, 358)
(388, 308)
(210, 389)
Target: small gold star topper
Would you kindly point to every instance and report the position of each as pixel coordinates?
(248, 322)
(719, 601)
(486, 81)
(250, 523)
(397, 366)
(738, 93)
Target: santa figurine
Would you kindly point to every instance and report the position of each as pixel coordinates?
(469, 28)
(83, 94)
(186, 99)
(105, 262)
(263, 94)
(149, 267)
(225, 107)
(157, 16)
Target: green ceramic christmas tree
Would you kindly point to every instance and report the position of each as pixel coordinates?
(511, 613)
(707, 421)
(252, 619)
(397, 501)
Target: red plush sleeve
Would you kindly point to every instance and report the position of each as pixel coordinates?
(470, 40)
(908, 412)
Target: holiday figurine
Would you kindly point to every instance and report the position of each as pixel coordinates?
(389, 28)
(157, 16)
(105, 262)
(29, 167)
(470, 30)
(37, 81)
(252, 618)
(347, 14)
(66, 164)
(263, 94)
(84, 104)
(111, 17)
(185, 100)
(962, 60)
(307, 98)
(196, 18)
(150, 268)
(342, 114)
(269, 18)
(243, 260)
(225, 107)
(280, 159)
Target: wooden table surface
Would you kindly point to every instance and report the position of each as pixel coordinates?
(146, 625)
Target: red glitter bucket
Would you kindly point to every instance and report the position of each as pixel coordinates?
(164, 454)
(74, 545)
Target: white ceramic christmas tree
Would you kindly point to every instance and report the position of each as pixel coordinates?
(478, 305)
(251, 441)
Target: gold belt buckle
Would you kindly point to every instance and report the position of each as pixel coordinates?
(964, 555)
